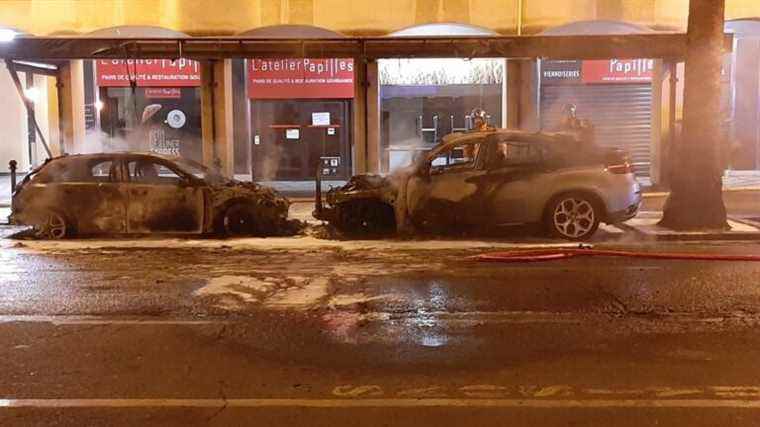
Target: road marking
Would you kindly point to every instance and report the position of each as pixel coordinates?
(380, 403)
(95, 320)
(507, 317)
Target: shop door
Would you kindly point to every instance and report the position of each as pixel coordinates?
(292, 138)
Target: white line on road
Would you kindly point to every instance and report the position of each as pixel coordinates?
(451, 317)
(97, 320)
(380, 403)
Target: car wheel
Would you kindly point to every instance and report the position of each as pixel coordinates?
(51, 225)
(239, 220)
(573, 216)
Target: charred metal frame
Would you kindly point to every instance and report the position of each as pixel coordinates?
(668, 46)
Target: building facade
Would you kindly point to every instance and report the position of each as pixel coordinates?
(280, 119)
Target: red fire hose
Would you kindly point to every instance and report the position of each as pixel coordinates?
(564, 253)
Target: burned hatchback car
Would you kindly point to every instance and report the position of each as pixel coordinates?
(487, 179)
(135, 193)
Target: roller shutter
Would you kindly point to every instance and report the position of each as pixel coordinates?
(621, 114)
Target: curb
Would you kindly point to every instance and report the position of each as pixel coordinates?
(692, 237)
(725, 190)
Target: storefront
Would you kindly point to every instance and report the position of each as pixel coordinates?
(614, 95)
(149, 105)
(300, 117)
(423, 100)
(741, 98)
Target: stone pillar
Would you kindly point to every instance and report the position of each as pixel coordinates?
(359, 116)
(373, 117)
(659, 97)
(521, 100)
(216, 115)
(71, 100)
(512, 91)
(54, 117)
(696, 198)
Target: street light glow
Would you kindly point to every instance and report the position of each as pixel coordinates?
(7, 35)
(98, 105)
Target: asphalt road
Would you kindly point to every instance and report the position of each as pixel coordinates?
(280, 332)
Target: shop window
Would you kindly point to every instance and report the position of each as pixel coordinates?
(423, 100)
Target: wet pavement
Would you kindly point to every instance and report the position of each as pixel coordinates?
(308, 332)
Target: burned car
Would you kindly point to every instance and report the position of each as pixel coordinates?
(135, 193)
(488, 179)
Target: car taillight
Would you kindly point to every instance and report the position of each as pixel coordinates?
(620, 168)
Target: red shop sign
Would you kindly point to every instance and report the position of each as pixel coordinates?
(148, 72)
(618, 71)
(300, 78)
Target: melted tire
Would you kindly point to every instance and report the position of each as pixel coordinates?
(366, 218)
(240, 220)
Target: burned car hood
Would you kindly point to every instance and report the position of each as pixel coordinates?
(380, 187)
(250, 190)
(366, 182)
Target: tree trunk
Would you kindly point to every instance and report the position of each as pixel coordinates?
(696, 198)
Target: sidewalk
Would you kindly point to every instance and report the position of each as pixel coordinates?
(5, 190)
(645, 224)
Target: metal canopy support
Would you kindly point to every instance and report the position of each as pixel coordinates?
(659, 45)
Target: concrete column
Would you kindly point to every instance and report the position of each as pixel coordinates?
(512, 91)
(373, 117)
(659, 85)
(54, 116)
(521, 98)
(71, 99)
(216, 115)
(359, 117)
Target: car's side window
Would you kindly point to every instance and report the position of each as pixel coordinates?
(459, 157)
(510, 153)
(78, 171)
(103, 171)
(145, 171)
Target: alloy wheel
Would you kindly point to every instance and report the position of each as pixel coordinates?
(574, 217)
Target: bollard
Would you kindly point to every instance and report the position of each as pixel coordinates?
(12, 166)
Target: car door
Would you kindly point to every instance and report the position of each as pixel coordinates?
(162, 199)
(447, 194)
(513, 182)
(92, 196)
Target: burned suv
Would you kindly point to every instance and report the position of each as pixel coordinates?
(135, 193)
(485, 180)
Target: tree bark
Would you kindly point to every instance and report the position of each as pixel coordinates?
(696, 198)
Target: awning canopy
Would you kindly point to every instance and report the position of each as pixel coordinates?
(655, 45)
